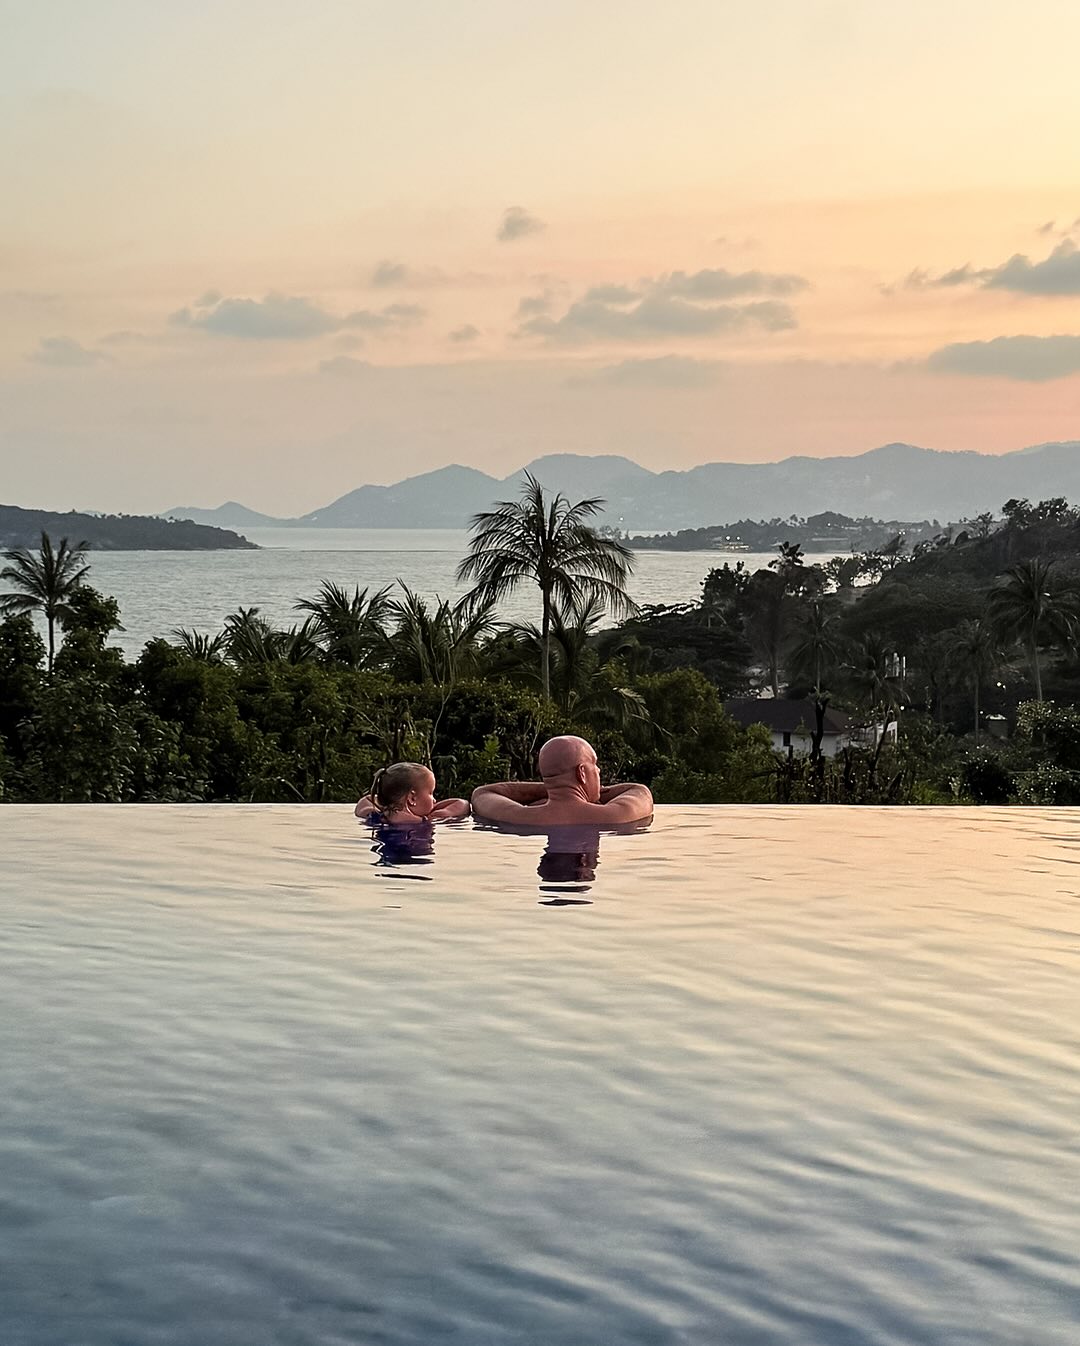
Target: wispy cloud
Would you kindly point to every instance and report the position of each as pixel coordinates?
(63, 352)
(663, 371)
(675, 304)
(1057, 274)
(518, 223)
(464, 334)
(1030, 359)
(281, 317)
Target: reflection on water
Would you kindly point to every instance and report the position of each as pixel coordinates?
(570, 858)
(796, 1077)
(397, 846)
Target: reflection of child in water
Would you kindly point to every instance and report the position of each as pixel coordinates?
(405, 793)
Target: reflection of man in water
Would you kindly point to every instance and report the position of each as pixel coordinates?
(569, 792)
(571, 855)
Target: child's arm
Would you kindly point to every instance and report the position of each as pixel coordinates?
(365, 807)
(449, 810)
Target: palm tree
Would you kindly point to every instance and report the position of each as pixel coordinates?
(975, 652)
(197, 645)
(44, 582)
(348, 627)
(250, 639)
(818, 642)
(586, 668)
(1029, 606)
(436, 645)
(546, 540)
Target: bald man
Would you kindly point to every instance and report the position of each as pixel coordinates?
(569, 792)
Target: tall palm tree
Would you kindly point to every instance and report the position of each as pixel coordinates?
(818, 643)
(586, 668)
(44, 582)
(975, 652)
(437, 644)
(546, 540)
(1029, 606)
(350, 628)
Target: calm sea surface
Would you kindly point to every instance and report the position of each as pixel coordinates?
(159, 591)
(758, 1076)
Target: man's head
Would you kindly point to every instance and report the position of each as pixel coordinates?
(568, 764)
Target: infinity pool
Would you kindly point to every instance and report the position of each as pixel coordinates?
(756, 1076)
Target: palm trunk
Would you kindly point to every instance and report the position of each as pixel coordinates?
(1036, 671)
(51, 623)
(545, 648)
(976, 712)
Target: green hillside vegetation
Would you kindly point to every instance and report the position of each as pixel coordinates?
(960, 640)
(114, 532)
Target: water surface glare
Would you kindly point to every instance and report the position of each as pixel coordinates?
(758, 1076)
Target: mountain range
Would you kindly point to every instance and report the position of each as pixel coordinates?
(896, 481)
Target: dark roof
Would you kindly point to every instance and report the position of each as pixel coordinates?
(783, 716)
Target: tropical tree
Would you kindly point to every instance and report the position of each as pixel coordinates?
(1029, 606)
(250, 639)
(975, 652)
(44, 581)
(198, 645)
(436, 645)
(349, 628)
(818, 642)
(545, 540)
(587, 675)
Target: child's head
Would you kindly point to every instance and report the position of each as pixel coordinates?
(405, 787)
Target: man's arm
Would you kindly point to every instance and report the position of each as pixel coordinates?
(449, 810)
(506, 801)
(627, 802)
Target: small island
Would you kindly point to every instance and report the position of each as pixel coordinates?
(825, 532)
(115, 532)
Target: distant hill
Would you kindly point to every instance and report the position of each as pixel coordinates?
(229, 515)
(112, 532)
(896, 481)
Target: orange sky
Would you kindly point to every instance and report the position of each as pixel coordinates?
(268, 251)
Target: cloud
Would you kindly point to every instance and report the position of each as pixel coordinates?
(676, 304)
(281, 317)
(612, 294)
(344, 366)
(1057, 274)
(464, 334)
(665, 371)
(1032, 359)
(389, 275)
(65, 353)
(29, 299)
(392, 316)
(518, 223)
(654, 317)
(532, 305)
(720, 284)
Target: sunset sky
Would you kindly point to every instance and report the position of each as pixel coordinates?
(269, 250)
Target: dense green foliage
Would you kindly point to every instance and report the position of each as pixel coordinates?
(116, 532)
(959, 641)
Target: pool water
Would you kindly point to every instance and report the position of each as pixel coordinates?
(755, 1076)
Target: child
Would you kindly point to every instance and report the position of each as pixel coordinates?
(405, 793)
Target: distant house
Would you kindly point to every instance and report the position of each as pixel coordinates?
(791, 724)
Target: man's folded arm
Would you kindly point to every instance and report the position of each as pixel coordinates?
(628, 800)
(520, 791)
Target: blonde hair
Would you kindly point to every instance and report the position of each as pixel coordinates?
(393, 784)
